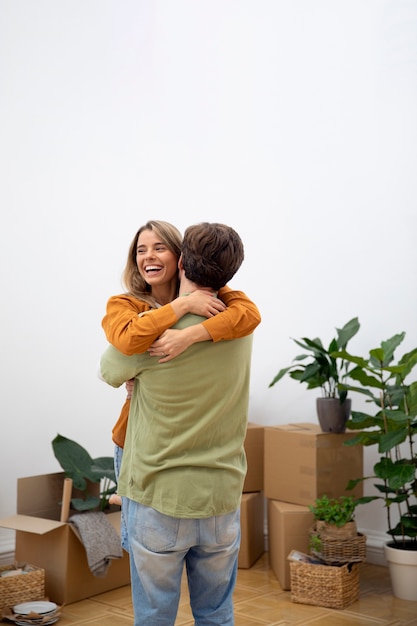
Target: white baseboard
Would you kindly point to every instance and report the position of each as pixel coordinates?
(6, 558)
(374, 548)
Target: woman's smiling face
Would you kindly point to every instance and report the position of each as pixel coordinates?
(157, 264)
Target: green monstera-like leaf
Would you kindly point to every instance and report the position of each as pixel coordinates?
(81, 468)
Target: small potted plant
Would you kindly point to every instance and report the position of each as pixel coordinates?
(321, 368)
(334, 537)
(335, 516)
(392, 427)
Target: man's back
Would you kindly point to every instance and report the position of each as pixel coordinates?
(184, 452)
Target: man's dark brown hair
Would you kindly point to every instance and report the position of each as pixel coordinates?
(211, 254)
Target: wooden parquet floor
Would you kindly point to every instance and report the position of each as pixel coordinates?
(260, 601)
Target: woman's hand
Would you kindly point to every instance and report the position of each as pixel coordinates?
(129, 388)
(202, 302)
(173, 342)
(169, 345)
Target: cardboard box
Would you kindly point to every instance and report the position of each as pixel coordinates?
(254, 449)
(288, 529)
(302, 463)
(46, 542)
(252, 516)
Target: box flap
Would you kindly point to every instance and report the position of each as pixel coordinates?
(41, 496)
(307, 428)
(252, 425)
(26, 523)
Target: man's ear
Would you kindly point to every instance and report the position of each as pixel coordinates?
(180, 265)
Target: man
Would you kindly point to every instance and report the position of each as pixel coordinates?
(184, 463)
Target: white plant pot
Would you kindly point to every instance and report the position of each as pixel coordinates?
(403, 571)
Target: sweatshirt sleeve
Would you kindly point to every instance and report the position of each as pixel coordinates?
(128, 330)
(116, 368)
(239, 319)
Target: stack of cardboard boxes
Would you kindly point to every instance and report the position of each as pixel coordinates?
(288, 468)
(252, 509)
(302, 463)
(44, 540)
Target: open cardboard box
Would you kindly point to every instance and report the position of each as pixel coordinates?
(43, 540)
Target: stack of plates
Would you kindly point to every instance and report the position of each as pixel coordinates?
(37, 612)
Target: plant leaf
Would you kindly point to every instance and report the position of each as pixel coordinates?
(412, 399)
(103, 467)
(365, 379)
(74, 460)
(91, 502)
(280, 375)
(345, 334)
(389, 440)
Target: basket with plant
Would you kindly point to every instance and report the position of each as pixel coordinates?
(334, 537)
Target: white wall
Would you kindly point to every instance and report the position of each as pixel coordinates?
(292, 120)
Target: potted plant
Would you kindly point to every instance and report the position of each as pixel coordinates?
(331, 514)
(324, 370)
(334, 537)
(82, 469)
(392, 427)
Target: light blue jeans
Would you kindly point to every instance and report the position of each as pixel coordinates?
(160, 546)
(118, 455)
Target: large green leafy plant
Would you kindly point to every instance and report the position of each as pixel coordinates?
(82, 468)
(392, 427)
(323, 369)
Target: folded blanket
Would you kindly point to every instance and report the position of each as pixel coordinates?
(101, 541)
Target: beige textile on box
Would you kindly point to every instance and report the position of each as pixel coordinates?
(101, 541)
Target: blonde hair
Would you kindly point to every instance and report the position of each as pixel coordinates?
(132, 281)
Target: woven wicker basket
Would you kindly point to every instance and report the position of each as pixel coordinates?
(334, 550)
(335, 587)
(30, 585)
